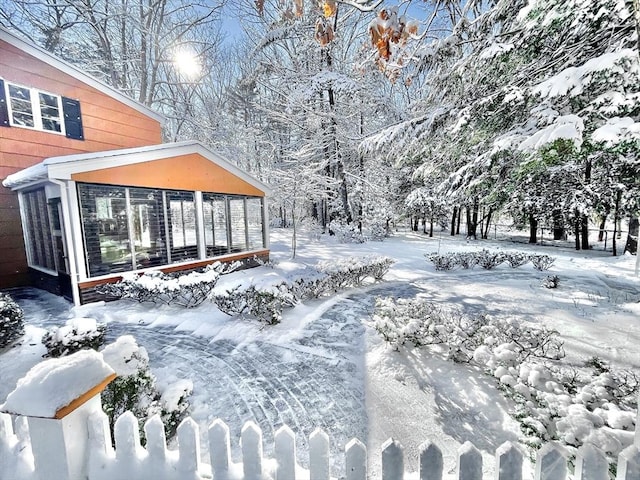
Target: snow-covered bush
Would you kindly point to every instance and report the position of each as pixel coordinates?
(425, 323)
(135, 389)
(378, 231)
(265, 303)
(551, 281)
(488, 260)
(186, 290)
(517, 259)
(346, 232)
(11, 320)
(352, 271)
(542, 262)
(76, 334)
(442, 262)
(571, 404)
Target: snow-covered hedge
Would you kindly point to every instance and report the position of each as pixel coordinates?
(488, 260)
(77, 334)
(352, 271)
(11, 320)
(135, 388)
(420, 323)
(573, 404)
(186, 290)
(267, 302)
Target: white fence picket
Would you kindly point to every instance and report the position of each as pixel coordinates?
(431, 463)
(128, 449)
(319, 455)
(551, 463)
(129, 461)
(156, 440)
(508, 462)
(392, 460)
(219, 449)
(469, 462)
(591, 463)
(251, 436)
(356, 460)
(188, 449)
(285, 453)
(629, 463)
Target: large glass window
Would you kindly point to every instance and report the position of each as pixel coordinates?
(34, 109)
(183, 227)
(38, 230)
(148, 227)
(215, 224)
(255, 223)
(106, 229)
(127, 228)
(237, 222)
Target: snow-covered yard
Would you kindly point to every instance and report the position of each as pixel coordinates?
(325, 365)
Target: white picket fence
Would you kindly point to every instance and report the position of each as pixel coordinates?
(129, 461)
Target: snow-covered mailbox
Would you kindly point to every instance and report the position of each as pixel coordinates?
(57, 396)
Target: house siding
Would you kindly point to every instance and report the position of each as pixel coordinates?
(184, 172)
(108, 124)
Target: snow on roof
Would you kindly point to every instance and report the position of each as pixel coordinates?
(72, 70)
(55, 383)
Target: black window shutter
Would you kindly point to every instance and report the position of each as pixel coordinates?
(72, 118)
(4, 112)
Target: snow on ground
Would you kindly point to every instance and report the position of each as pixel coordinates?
(324, 365)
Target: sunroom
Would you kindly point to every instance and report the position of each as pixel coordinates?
(89, 218)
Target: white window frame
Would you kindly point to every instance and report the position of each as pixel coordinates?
(34, 97)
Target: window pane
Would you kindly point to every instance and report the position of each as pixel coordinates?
(254, 220)
(50, 112)
(215, 225)
(238, 227)
(106, 229)
(38, 229)
(182, 225)
(20, 99)
(149, 234)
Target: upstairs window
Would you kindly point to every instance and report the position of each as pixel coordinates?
(26, 107)
(34, 109)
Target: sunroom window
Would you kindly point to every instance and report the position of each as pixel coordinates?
(215, 224)
(40, 251)
(131, 228)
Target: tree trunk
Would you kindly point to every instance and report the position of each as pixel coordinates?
(485, 233)
(601, 228)
(576, 228)
(472, 220)
(616, 222)
(424, 224)
(584, 220)
(584, 226)
(415, 223)
(558, 225)
(459, 219)
(453, 221)
(431, 226)
(533, 229)
(632, 236)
